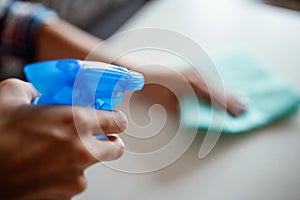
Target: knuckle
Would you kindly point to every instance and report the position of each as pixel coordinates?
(63, 137)
(9, 82)
(64, 142)
(79, 117)
(74, 123)
(69, 116)
(14, 83)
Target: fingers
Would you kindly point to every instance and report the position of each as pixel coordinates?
(222, 99)
(92, 150)
(64, 134)
(108, 149)
(15, 92)
(90, 122)
(226, 101)
(211, 94)
(73, 130)
(86, 123)
(110, 122)
(99, 121)
(234, 106)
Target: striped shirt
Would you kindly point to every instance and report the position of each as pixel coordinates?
(19, 22)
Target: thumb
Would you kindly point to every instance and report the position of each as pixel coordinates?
(14, 92)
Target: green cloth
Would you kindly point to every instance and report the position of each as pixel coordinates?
(269, 98)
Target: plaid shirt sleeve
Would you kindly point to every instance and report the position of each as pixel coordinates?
(19, 22)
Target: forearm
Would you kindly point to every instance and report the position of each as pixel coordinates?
(60, 39)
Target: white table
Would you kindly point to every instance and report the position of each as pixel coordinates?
(263, 164)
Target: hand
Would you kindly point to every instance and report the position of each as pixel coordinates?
(164, 86)
(42, 151)
(210, 93)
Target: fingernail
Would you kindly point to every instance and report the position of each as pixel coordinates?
(236, 109)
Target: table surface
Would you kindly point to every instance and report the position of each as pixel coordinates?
(263, 164)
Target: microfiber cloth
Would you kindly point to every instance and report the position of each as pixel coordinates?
(269, 98)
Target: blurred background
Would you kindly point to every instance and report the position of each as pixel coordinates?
(101, 17)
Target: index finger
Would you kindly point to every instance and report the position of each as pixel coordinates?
(211, 93)
(89, 120)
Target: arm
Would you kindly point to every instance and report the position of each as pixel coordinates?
(53, 38)
(60, 39)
